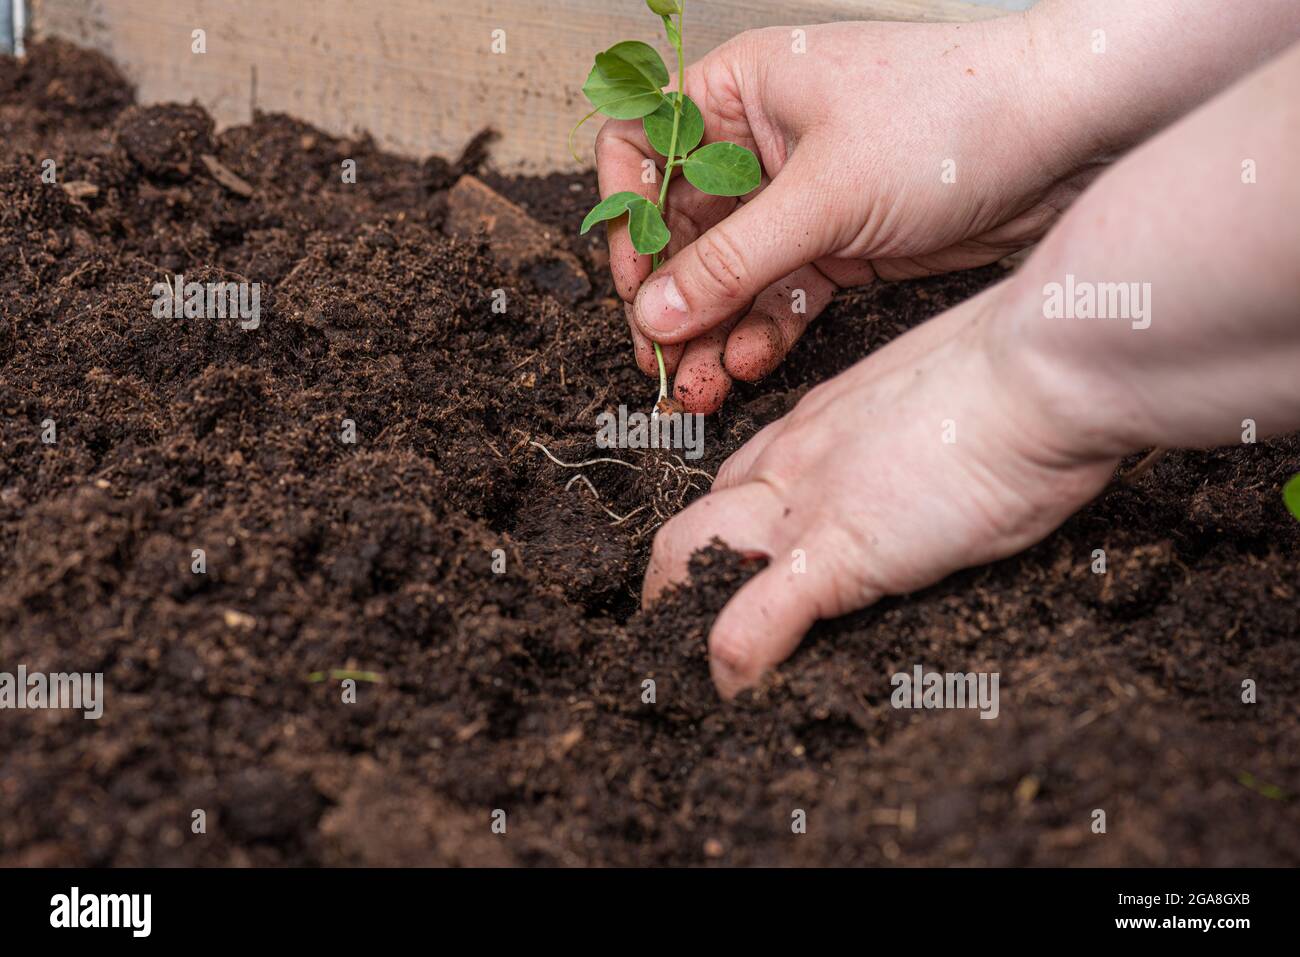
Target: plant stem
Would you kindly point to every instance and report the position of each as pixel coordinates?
(663, 374)
(668, 173)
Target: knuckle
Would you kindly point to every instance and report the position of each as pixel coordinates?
(661, 546)
(722, 264)
(733, 650)
(813, 402)
(749, 47)
(605, 137)
(611, 143)
(780, 467)
(731, 471)
(683, 226)
(857, 579)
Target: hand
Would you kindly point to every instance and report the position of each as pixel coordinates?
(859, 476)
(855, 135)
(862, 478)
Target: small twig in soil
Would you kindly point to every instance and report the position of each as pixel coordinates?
(1142, 468)
(35, 279)
(294, 271)
(80, 189)
(586, 410)
(70, 277)
(226, 176)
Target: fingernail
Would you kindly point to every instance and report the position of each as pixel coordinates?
(660, 308)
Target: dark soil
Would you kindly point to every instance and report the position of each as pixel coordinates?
(521, 691)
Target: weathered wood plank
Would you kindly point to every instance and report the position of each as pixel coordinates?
(420, 75)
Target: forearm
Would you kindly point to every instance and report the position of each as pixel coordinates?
(1109, 73)
(1216, 262)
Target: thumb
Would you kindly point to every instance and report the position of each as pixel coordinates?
(765, 620)
(760, 627)
(717, 276)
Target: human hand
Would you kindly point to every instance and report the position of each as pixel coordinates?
(928, 456)
(859, 476)
(886, 155)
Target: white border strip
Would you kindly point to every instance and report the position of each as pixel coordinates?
(6, 27)
(20, 26)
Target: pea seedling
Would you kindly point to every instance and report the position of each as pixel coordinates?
(626, 83)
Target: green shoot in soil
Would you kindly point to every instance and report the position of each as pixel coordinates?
(1270, 791)
(1291, 495)
(626, 83)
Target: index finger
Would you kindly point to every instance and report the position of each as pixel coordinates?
(748, 518)
(621, 152)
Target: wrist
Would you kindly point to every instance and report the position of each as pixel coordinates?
(1070, 407)
(1071, 111)
(1104, 75)
(1057, 124)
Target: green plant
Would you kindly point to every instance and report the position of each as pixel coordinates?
(627, 83)
(1291, 495)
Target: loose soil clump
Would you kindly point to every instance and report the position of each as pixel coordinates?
(490, 599)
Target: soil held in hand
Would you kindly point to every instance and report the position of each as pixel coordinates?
(491, 595)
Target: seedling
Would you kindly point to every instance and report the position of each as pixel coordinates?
(627, 83)
(1291, 495)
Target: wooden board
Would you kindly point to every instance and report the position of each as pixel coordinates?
(420, 75)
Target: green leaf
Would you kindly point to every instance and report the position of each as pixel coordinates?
(620, 101)
(723, 169)
(634, 63)
(664, 7)
(611, 207)
(646, 227)
(659, 126)
(1291, 495)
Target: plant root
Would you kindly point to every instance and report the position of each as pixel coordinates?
(578, 465)
(668, 484)
(1143, 467)
(618, 519)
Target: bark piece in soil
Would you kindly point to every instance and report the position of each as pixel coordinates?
(518, 242)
